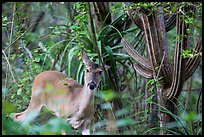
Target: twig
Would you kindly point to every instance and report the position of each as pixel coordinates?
(92, 26)
(10, 39)
(160, 66)
(197, 89)
(9, 65)
(40, 44)
(20, 36)
(180, 10)
(14, 7)
(198, 101)
(27, 50)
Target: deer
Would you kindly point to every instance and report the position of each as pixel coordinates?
(77, 101)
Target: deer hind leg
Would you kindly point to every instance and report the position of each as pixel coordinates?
(34, 107)
(19, 117)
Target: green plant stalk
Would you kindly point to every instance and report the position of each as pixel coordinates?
(66, 50)
(95, 43)
(49, 51)
(9, 66)
(92, 26)
(173, 115)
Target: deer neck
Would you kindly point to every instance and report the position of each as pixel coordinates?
(87, 97)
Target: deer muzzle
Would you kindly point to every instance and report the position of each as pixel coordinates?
(92, 85)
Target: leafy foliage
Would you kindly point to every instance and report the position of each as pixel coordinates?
(49, 36)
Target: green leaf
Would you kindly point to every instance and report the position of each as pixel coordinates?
(158, 84)
(37, 59)
(30, 36)
(151, 88)
(70, 58)
(149, 100)
(87, 42)
(124, 122)
(191, 116)
(4, 91)
(8, 107)
(151, 82)
(79, 72)
(100, 133)
(188, 31)
(120, 57)
(19, 91)
(112, 61)
(157, 67)
(100, 123)
(123, 111)
(12, 96)
(160, 78)
(106, 106)
(12, 57)
(147, 111)
(108, 95)
(55, 127)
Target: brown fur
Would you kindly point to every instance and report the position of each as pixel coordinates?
(66, 97)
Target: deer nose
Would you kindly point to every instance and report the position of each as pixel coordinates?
(92, 85)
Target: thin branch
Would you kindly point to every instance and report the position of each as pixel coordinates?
(10, 39)
(20, 36)
(51, 59)
(9, 66)
(161, 65)
(12, 22)
(27, 50)
(92, 25)
(180, 10)
(196, 89)
(199, 100)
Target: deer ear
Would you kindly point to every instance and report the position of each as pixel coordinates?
(84, 56)
(106, 67)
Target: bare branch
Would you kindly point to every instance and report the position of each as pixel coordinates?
(9, 65)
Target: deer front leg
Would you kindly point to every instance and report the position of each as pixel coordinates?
(84, 123)
(76, 124)
(76, 120)
(86, 127)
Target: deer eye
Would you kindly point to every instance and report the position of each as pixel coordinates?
(100, 72)
(87, 70)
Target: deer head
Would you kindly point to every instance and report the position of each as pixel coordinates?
(93, 72)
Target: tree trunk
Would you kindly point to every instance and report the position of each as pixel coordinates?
(171, 77)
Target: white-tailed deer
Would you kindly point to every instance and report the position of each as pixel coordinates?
(76, 101)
